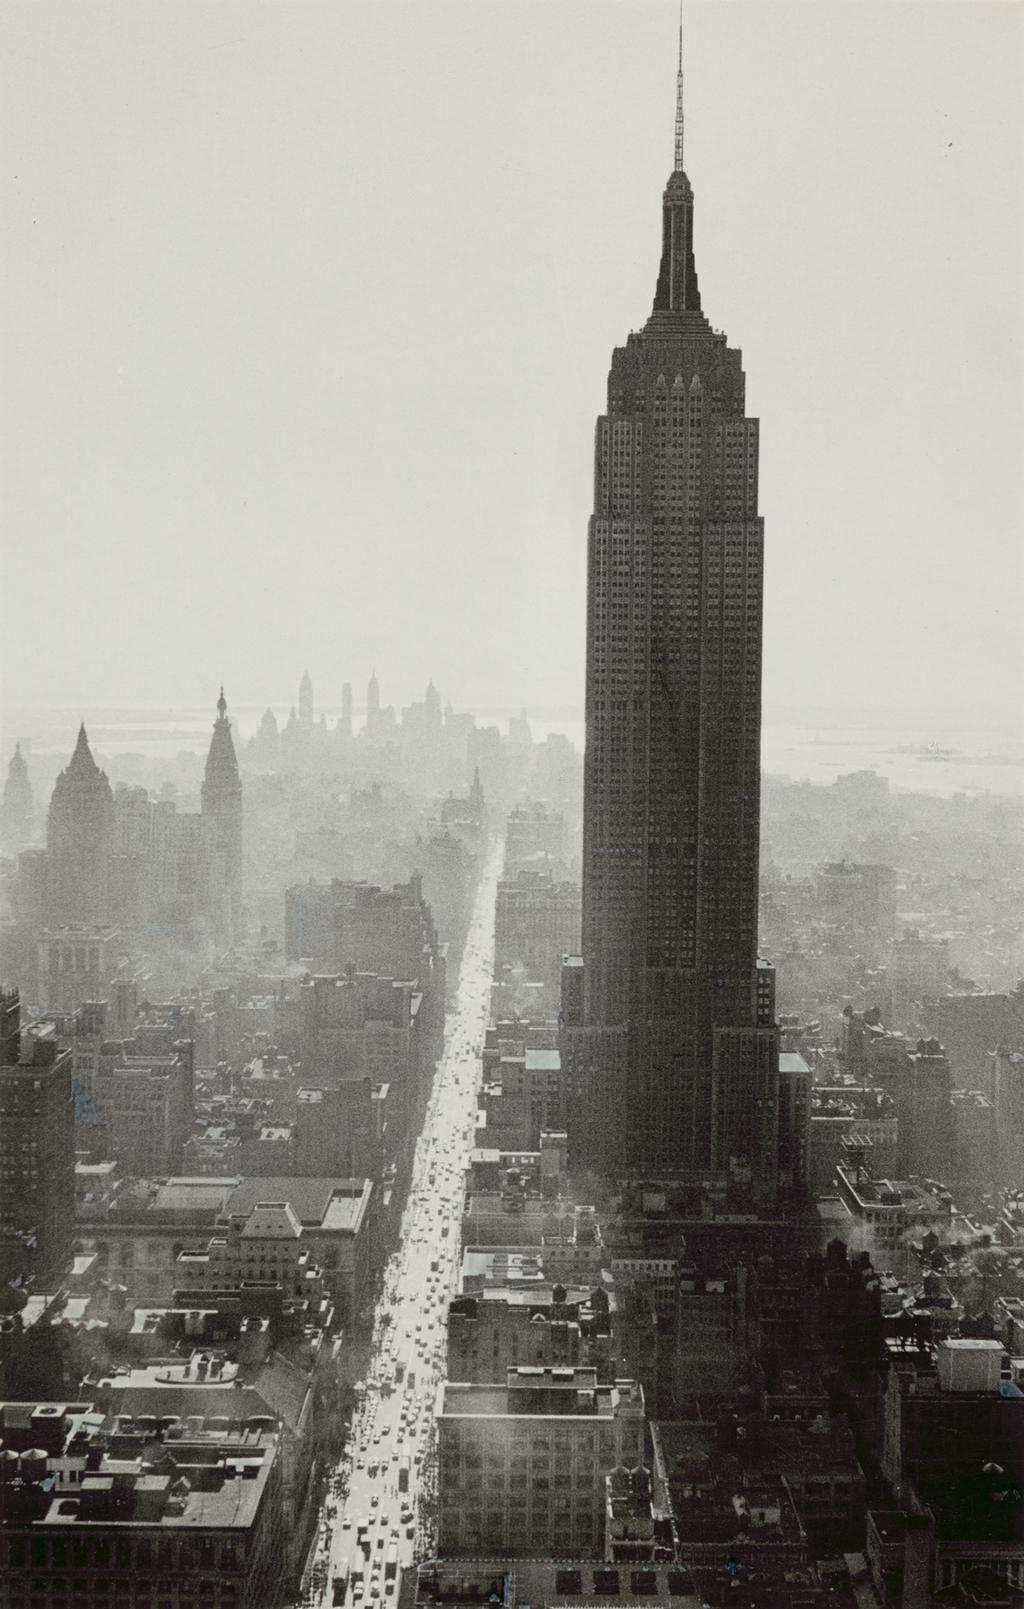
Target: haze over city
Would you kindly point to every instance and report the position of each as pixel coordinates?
(512, 807)
(306, 311)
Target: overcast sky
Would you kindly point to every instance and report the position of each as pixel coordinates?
(308, 310)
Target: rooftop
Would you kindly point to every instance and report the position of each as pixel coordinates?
(191, 1194)
(539, 1392)
(791, 1061)
(333, 1204)
(543, 1061)
(198, 1472)
(555, 1584)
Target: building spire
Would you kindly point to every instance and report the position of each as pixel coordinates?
(677, 290)
(679, 98)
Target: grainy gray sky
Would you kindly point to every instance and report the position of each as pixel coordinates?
(308, 308)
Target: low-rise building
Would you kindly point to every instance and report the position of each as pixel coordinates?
(338, 1226)
(173, 1510)
(141, 1235)
(885, 1214)
(532, 1583)
(536, 922)
(546, 1325)
(630, 1532)
(76, 963)
(859, 1114)
(522, 1466)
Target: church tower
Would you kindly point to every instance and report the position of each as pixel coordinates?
(222, 807)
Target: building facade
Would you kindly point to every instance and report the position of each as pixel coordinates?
(37, 1154)
(171, 1515)
(522, 1465)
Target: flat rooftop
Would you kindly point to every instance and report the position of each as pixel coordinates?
(500, 1267)
(331, 1204)
(228, 1499)
(536, 1295)
(558, 1585)
(543, 1061)
(791, 1061)
(537, 1392)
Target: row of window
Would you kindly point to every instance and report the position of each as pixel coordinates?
(99, 1552)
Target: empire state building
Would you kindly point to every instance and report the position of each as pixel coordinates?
(669, 1033)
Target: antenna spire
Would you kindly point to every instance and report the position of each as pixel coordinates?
(679, 97)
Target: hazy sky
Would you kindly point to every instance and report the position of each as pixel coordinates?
(308, 310)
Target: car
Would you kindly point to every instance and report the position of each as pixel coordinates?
(374, 1500)
(410, 1533)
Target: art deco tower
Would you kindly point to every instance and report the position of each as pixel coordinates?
(676, 1066)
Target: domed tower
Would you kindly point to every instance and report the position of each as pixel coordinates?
(80, 839)
(16, 810)
(222, 806)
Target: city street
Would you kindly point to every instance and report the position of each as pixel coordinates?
(369, 1527)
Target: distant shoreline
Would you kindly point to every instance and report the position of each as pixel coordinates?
(915, 758)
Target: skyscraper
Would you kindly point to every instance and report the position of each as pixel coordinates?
(306, 699)
(37, 1152)
(16, 806)
(80, 838)
(221, 801)
(676, 1059)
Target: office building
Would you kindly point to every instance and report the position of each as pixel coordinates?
(222, 808)
(674, 1056)
(37, 1154)
(156, 1512)
(522, 1465)
(16, 806)
(80, 839)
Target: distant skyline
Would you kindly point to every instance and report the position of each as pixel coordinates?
(303, 305)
